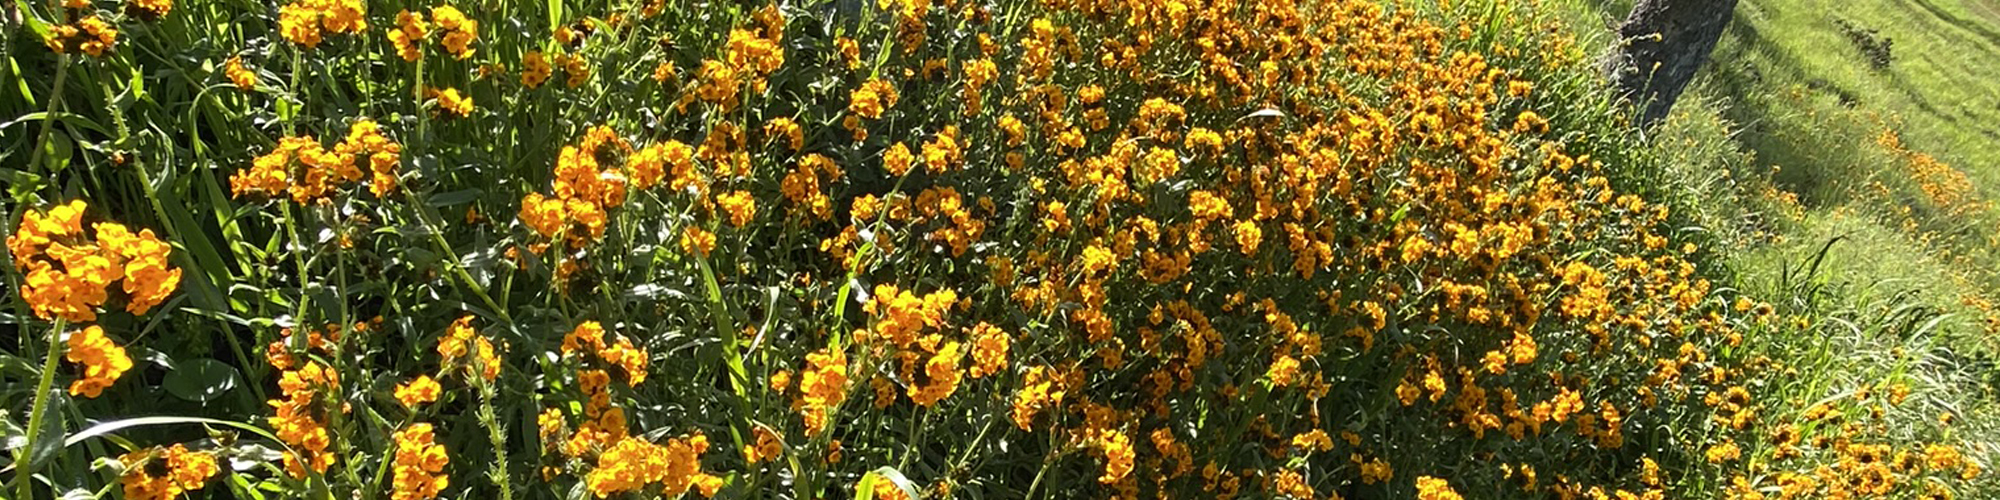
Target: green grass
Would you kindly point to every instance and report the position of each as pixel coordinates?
(1778, 144)
(1939, 83)
(1810, 109)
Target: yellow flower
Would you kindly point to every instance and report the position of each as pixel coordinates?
(1725, 451)
(740, 205)
(1414, 248)
(1376, 470)
(91, 34)
(647, 166)
(871, 99)
(576, 72)
(103, 361)
(543, 215)
(1248, 236)
(239, 75)
(535, 69)
(418, 391)
(408, 37)
(459, 30)
(942, 153)
(942, 372)
(420, 461)
(301, 167)
(697, 241)
(66, 274)
(822, 387)
(462, 342)
(1206, 205)
(788, 128)
(1284, 372)
(1431, 488)
(302, 21)
(850, 52)
(1118, 455)
(299, 417)
(1531, 123)
(768, 447)
(450, 100)
(897, 159)
(626, 356)
(989, 350)
(587, 336)
(550, 424)
(633, 464)
(746, 49)
(165, 474)
(151, 9)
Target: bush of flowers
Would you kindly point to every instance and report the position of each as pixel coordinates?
(879, 249)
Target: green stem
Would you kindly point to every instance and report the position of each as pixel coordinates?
(23, 461)
(48, 118)
(739, 378)
(305, 294)
(496, 434)
(435, 228)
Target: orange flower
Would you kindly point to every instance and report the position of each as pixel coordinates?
(418, 391)
(103, 361)
(419, 467)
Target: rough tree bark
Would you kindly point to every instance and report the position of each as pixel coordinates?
(1665, 42)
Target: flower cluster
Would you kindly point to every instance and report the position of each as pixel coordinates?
(463, 347)
(103, 361)
(67, 272)
(589, 337)
(240, 75)
(419, 468)
(164, 474)
(822, 388)
(305, 22)
(584, 190)
(634, 463)
(459, 31)
(1186, 249)
(151, 9)
(300, 167)
(301, 416)
(418, 391)
(90, 35)
(451, 101)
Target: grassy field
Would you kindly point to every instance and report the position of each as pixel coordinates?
(1891, 151)
(1855, 183)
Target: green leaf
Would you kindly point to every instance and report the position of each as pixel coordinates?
(866, 489)
(54, 427)
(248, 456)
(455, 197)
(11, 435)
(242, 488)
(40, 28)
(72, 119)
(26, 369)
(555, 15)
(118, 425)
(58, 151)
(202, 380)
(14, 71)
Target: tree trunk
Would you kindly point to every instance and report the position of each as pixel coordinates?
(1665, 42)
